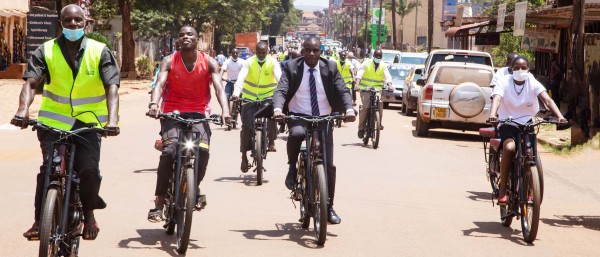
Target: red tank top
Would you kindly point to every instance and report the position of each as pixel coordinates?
(188, 91)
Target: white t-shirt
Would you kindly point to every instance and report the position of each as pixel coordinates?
(519, 102)
(233, 68)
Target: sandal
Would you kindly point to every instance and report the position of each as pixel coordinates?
(502, 200)
(90, 232)
(32, 233)
(155, 215)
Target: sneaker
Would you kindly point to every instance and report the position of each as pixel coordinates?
(290, 178)
(361, 134)
(245, 166)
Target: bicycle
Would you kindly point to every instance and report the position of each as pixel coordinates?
(62, 217)
(310, 187)
(524, 186)
(259, 140)
(373, 126)
(235, 107)
(180, 201)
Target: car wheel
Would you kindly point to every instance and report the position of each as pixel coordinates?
(422, 127)
(386, 105)
(403, 108)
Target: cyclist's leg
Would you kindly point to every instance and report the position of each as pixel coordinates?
(297, 132)
(331, 169)
(362, 116)
(247, 117)
(170, 137)
(272, 132)
(507, 134)
(228, 89)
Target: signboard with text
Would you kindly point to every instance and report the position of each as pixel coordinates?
(542, 40)
(501, 15)
(375, 17)
(41, 27)
(520, 14)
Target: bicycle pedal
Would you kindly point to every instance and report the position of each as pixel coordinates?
(33, 238)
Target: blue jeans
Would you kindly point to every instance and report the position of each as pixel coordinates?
(229, 89)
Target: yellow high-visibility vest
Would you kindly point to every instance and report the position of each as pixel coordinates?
(371, 77)
(67, 99)
(282, 56)
(260, 82)
(345, 72)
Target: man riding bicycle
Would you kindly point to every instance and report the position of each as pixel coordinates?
(346, 69)
(516, 96)
(232, 66)
(257, 81)
(82, 80)
(312, 86)
(189, 73)
(371, 74)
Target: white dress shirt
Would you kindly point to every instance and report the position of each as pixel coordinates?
(387, 78)
(301, 102)
(233, 68)
(239, 84)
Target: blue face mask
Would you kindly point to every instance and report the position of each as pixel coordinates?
(73, 34)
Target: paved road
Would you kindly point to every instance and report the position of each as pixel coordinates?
(412, 197)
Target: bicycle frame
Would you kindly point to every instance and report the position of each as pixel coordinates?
(316, 154)
(525, 155)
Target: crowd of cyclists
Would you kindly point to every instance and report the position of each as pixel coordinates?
(82, 80)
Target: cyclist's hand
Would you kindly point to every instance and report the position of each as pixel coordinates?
(21, 121)
(226, 118)
(493, 119)
(388, 86)
(563, 120)
(153, 111)
(112, 130)
(350, 117)
(234, 98)
(278, 116)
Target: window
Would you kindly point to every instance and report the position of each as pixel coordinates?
(457, 75)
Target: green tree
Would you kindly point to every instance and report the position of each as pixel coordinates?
(403, 8)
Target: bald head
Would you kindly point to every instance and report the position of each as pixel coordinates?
(510, 57)
(72, 17)
(72, 8)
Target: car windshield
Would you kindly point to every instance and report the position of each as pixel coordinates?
(457, 75)
(417, 76)
(413, 60)
(398, 73)
(389, 57)
(461, 58)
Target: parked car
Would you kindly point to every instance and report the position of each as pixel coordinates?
(410, 91)
(244, 52)
(456, 95)
(398, 73)
(390, 56)
(454, 55)
(413, 58)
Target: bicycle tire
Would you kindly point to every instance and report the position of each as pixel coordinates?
(301, 180)
(530, 210)
(376, 130)
(320, 203)
(258, 156)
(493, 172)
(50, 223)
(187, 200)
(540, 171)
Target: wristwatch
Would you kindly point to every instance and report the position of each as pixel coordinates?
(150, 104)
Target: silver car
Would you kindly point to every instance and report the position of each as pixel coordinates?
(398, 73)
(456, 95)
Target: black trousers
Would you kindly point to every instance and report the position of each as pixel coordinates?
(87, 159)
(247, 116)
(297, 133)
(170, 138)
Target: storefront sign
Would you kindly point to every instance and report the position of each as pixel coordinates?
(543, 40)
(376, 13)
(487, 39)
(501, 14)
(41, 27)
(520, 13)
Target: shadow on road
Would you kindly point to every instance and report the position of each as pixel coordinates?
(480, 196)
(495, 230)
(589, 222)
(288, 232)
(248, 180)
(155, 239)
(450, 136)
(358, 144)
(145, 170)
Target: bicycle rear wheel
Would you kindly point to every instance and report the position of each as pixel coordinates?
(540, 170)
(376, 130)
(530, 207)
(50, 224)
(258, 156)
(321, 197)
(187, 198)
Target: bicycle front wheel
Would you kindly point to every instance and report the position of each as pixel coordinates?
(187, 199)
(301, 182)
(530, 206)
(376, 130)
(50, 224)
(258, 156)
(321, 197)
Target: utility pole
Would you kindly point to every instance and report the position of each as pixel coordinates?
(416, 15)
(429, 25)
(379, 25)
(366, 24)
(394, 25)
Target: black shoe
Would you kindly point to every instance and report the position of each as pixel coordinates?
(332, 217)
(245, 166)
(361, 134)
(290, 179)
(200, 202)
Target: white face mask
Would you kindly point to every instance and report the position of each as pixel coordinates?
(376, 60)
(520, 75)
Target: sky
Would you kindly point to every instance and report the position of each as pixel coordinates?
(321, 3)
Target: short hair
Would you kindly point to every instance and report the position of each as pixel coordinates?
(312, 38)
(189, 26)
(72, 6)
(519, 57)
(262, 44)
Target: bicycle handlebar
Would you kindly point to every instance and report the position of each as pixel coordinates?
(89, 127)
(315, 118)
(176, 116)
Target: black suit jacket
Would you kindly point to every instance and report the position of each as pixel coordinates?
(338, 95)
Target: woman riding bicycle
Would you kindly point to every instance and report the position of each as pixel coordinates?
(516, 97)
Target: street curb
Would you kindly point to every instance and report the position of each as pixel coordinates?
(551, 143)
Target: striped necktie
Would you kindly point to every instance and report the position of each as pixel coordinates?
(314, 104)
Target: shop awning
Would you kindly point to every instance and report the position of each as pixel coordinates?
(12, 12)
(454, 31)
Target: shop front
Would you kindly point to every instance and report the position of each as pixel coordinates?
(12, 40)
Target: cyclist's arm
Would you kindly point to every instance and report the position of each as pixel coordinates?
(26, 96)
(239, 84)
(34, 75)
(552, 105)
(387, 77)
(161, 81)
(213, 68)
(496, 99)
(224, 68)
